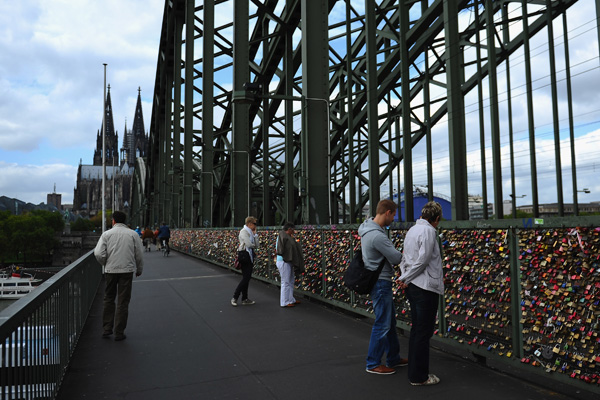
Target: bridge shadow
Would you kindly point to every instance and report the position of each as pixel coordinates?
(186, 341)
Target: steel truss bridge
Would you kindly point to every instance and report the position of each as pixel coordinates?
(312, 110)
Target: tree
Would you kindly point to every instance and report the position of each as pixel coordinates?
(29, 236)
(82, 225)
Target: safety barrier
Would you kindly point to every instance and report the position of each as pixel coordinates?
(38, 333)
(525, 292)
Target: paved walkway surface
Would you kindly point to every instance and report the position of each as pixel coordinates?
(186, 341)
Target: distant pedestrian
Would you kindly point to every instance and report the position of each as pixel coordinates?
(147, 237)
(289, 260)
(156, 241)
(248, 242)
(376, 246)
(164, 234)
(138, 231)
(120, 251)
(423, 278)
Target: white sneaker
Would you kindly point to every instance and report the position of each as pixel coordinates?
(234, 302)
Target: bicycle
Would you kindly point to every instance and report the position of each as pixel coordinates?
(165, 247)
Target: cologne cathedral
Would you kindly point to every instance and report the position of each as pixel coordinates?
(87, 199)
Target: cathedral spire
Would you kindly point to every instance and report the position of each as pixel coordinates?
(138, 119)
(139, 141)
(112, 146)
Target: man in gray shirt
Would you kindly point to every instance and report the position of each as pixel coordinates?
(375, 247)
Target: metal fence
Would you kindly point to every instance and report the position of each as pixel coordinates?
(524, 292)
(38, 333)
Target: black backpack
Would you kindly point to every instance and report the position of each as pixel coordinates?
(360, 279)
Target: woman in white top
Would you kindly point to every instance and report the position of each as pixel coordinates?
(248, 242)
(423, 278)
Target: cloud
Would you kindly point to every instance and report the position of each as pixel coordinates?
(52, 81)
(32, 183)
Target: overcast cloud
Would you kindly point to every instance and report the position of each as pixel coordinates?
(51, 85)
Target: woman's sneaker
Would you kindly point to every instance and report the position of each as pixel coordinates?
(247, 302)
(431, 380)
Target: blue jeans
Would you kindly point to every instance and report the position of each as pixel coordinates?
(423, 309)
(384, 336)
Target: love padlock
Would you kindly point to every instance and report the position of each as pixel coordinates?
(556, 349)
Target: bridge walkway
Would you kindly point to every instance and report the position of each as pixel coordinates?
(186, 341)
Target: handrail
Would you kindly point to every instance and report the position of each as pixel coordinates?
(38, 333)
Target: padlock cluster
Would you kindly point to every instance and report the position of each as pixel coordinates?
(477, 279)
(560, 307)
(559, 280)
(217, 245)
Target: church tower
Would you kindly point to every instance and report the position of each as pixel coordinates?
(112, 138)
(138, 144)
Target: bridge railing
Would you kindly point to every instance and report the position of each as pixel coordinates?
(524, 292)
(38, 333)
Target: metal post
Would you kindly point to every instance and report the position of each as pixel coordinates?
(315, 85)
(555, 122)
(570, 110)
(506, 38)
(241, 131)
(113, 185)
(409, 212)
(426, 119)
(188, 123)
(372, 101)
(327, 106)
(104, 156)
(515, 293)
(350, 118)
(456, 125)
(208, 64)
(481, 115)
(177, 167)
(169, 154)
(290, 189)
(530, 115)
(494, 115)
(266, 193)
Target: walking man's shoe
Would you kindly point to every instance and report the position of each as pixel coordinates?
(402, 363)
(382, 370)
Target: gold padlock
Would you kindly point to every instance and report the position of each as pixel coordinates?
(556, 349)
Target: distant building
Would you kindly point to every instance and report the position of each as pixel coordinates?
(476, 207)
(551, 210)
(54, 199)
(420, 198)
(87, 198)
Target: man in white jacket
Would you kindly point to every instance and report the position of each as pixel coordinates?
(121, 253)
(423, 278)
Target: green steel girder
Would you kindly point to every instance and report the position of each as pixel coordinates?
(423, 36)
(192, 155)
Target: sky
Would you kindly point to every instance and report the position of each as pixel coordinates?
(52, 81)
